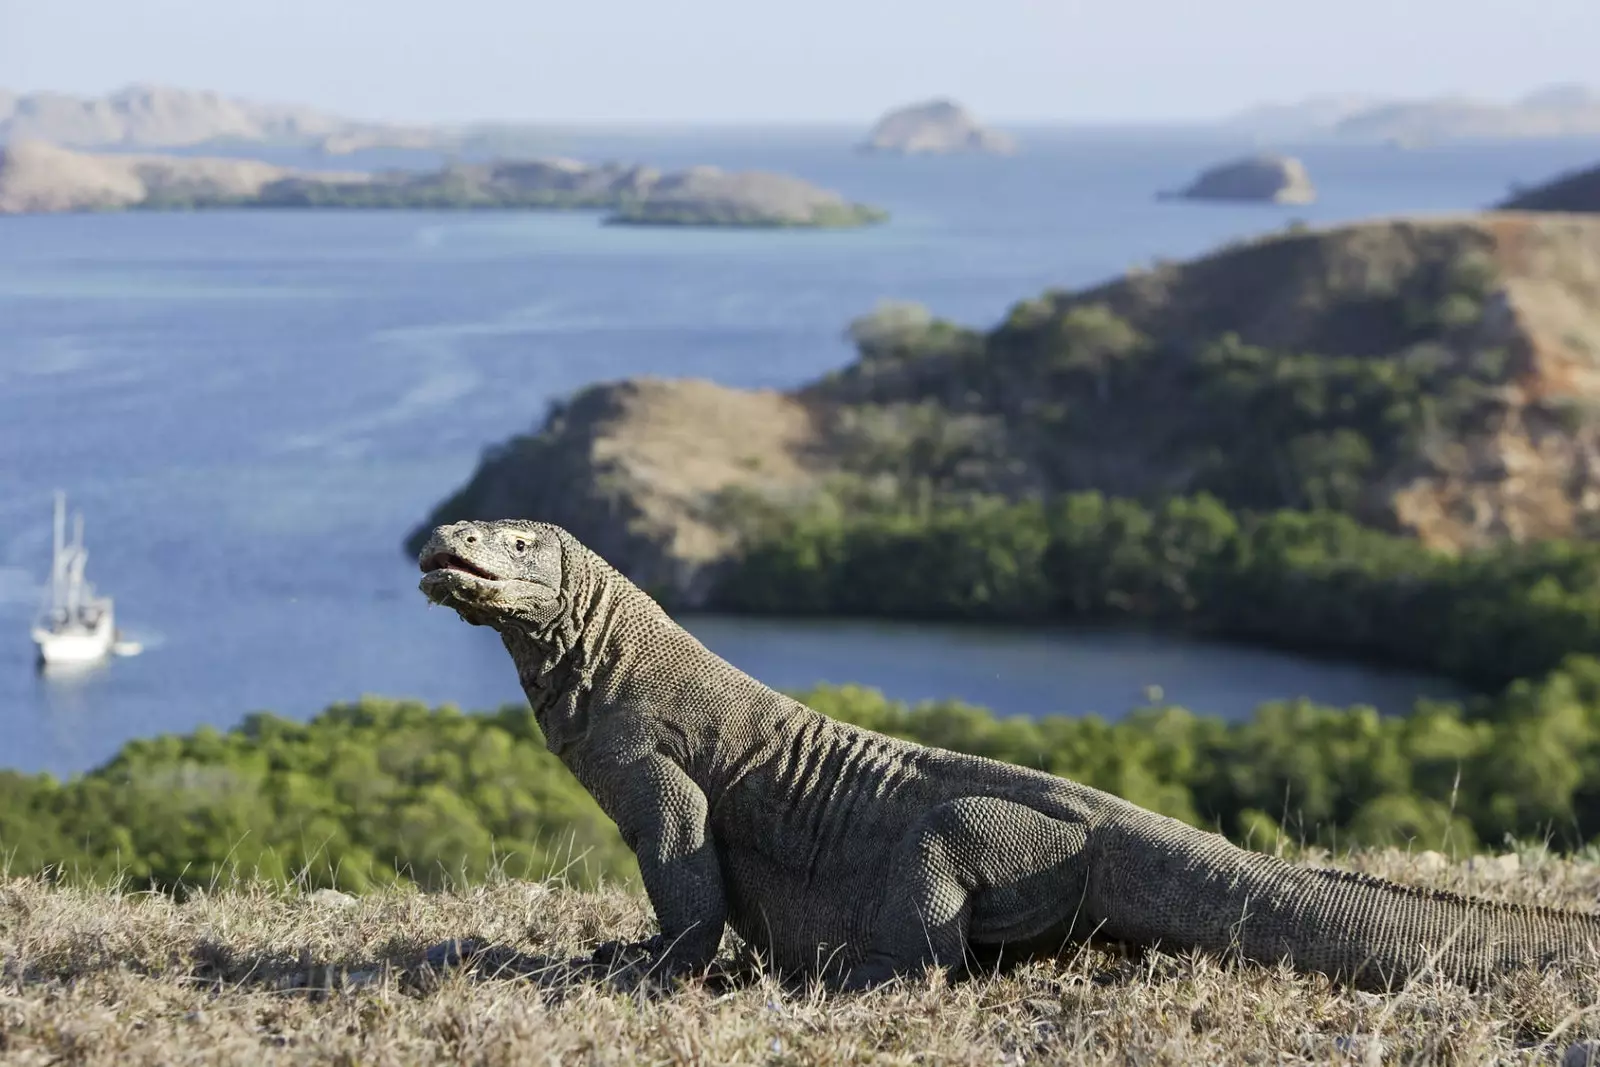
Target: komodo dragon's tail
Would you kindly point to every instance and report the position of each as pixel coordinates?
(1195, 889)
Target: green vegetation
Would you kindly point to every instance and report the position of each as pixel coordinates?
(464, 191)
(368, 794)
(358, 196)
(1257, 510)
(445, 190)
(1149, 396)
(751, 216)
(380, 793)
(1316, 582)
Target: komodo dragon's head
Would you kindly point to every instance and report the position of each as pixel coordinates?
(506, 573)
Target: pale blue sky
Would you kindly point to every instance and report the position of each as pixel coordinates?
(821, 60)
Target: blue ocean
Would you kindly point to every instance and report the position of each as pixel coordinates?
(253, 408)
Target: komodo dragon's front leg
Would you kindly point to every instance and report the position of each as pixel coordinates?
(662, 816)
(974, 871)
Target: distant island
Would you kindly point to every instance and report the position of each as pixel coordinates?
(1264, 179)
(40, 178)
(709, 196)
(157, 117)
(1554, 111)
(934, 127)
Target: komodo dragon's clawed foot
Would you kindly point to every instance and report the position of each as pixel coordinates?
(621, 953)
(649, 966)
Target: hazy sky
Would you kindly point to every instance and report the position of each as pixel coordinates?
(828, 60)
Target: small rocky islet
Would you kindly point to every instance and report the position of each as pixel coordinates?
(934, 127)
(1265, 178)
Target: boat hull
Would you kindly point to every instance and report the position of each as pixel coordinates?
(81, 647)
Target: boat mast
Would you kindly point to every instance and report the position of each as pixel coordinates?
(79, 558)
(56, 590)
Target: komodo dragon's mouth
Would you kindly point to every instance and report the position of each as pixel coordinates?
(449, 561)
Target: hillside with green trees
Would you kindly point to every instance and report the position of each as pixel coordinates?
(379, 792)
(383, 793)
(1315, 582)
(1434, 379)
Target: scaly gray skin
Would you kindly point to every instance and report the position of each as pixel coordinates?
(842, 852)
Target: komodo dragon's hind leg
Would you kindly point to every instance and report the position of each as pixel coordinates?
(976, 870)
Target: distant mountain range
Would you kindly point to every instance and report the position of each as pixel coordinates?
(1565, 110)
(162, 117)
(155, 116)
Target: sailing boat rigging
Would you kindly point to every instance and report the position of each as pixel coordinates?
(75, 625)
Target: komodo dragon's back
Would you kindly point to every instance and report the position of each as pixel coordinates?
(859, 857)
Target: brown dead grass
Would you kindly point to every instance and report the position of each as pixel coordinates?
(254, 975)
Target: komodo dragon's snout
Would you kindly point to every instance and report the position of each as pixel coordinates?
(493, 573)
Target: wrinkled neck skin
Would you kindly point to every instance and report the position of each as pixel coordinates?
(557, 662)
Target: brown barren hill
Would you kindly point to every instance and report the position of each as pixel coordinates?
(1434, 376)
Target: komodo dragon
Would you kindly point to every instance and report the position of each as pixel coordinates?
(840, 852)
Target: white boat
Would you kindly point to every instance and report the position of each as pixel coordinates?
(74, 625)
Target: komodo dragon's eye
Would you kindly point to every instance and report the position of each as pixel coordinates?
(521, 544)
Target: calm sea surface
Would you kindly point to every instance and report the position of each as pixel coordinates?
(253, 408)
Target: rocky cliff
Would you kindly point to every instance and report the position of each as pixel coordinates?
(1438, 377)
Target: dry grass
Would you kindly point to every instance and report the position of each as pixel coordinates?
(253, 975)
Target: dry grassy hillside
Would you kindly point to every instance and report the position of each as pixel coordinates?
(249, 976)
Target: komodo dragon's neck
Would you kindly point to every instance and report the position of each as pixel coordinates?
(612, 650)
(604, 625)
(556, 663)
